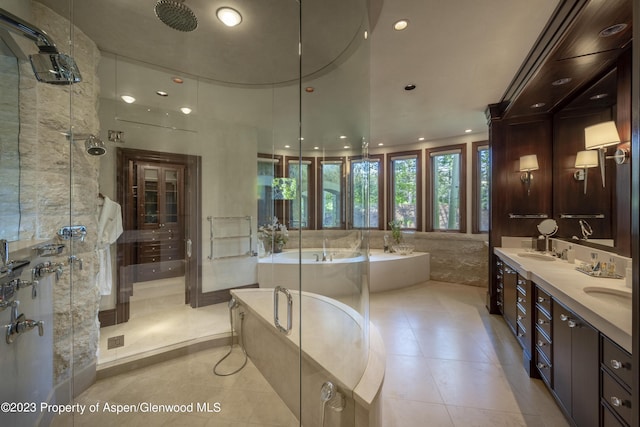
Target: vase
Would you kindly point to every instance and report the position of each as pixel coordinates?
(277, 247)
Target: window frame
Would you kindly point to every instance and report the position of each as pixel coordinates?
(430, 153)
(320, 193)
(278, 205)
(311, 161)
(475, 190)
(391, 184)
(381, 177)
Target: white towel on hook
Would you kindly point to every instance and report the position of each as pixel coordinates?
(109, 229)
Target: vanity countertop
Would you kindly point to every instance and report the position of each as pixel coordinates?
(563, 281)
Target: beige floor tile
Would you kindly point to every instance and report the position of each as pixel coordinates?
(409, 377)
(473, 417)
(410, 413)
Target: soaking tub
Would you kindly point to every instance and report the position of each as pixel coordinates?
(337, 346)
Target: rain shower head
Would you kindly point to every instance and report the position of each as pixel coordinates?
(49, 65)
(176, 15)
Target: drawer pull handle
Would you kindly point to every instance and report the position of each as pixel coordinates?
(521, 299)
(564, 317)
(520, 334)
(541, 321)
(541, 343)
(541, 365)
(572, 323)
(520, 317)
(616, 364)
(617, 402)
(498, 303)
(540, 299)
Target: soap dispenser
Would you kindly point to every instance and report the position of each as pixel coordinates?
(571, 255)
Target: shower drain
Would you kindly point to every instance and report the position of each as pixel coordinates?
(115, 342)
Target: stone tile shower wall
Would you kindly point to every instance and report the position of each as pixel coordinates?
(59, 186)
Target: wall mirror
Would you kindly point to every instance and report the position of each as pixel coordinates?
(572, 203)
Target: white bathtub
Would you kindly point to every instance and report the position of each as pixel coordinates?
(337, 346)
(341, 275)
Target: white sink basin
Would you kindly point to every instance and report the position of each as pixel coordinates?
(618, 297)
(539, 257)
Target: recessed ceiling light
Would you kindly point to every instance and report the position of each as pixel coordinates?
(562, 81)
(128, 99)
(614, 29)
(599, 96)
(366, 35)
(229, 17)
(346, 146)
(421, 138)
(287, 146)
(538, 105)
(301, 138)
(316, 148)
(177, 80)
(468, 130)
(400, 25)
(410, 86)
(162, 93)
(343, 137)
(185, 110)
(380, 144)
(309, 89)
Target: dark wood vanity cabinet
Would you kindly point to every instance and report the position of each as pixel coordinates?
(509, 295)
(543, 343)
(575, 363)
(500, 285)
(616, 378)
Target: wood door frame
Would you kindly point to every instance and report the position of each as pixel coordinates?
(192, 211)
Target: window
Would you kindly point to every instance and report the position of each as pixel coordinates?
(366, 186)
(447, 188)
(331, 193)
(405, 188)
(300, 209)
(267, 172)
(481, 185)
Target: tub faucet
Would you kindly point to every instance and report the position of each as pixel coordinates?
(4, 252)
(324, 249)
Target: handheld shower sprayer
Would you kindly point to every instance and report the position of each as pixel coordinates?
(49, 65)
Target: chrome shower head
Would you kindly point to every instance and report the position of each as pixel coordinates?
(176, 15)
(49, 65)
(55, 68)
(95, 146)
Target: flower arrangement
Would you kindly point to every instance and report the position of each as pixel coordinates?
(274, 235)
(396, 234)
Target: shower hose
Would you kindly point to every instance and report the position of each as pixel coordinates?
(232, 305)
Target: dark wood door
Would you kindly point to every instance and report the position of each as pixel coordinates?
(160, 221)
(561, 355)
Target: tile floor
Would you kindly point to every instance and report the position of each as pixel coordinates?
(449, 363)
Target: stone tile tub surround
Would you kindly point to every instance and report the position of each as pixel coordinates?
(355, 365)
(562, 281)
(454, 257)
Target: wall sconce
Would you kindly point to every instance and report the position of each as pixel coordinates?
(599, 137)
(584, 160)
(527, 164)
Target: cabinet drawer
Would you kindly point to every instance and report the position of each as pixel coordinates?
(616, 397)
(543, 344)
(610, 420)
(544, 367)
(543, 321)
(543, 300)
(617, 361)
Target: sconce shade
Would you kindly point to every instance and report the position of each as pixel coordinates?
(601, 135)
(528, 163)
(587, 159)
